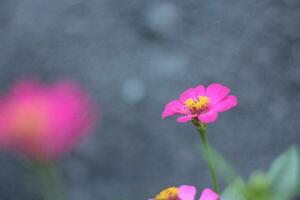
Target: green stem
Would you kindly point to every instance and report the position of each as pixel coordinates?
(206, 147)
(49, 180)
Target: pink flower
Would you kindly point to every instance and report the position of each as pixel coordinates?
(44, 122)
(185, 192)
(201, 103)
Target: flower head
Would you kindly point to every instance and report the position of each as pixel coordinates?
(185, 192)
(44, 122)
(200, 103)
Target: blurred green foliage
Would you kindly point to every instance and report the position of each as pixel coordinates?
(280, 182)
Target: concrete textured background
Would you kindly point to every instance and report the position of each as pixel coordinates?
(133, 56)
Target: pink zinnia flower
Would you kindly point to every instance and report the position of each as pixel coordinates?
(185, 192)
(44, 122)
(201, 103)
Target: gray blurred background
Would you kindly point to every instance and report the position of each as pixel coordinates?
(134, 56)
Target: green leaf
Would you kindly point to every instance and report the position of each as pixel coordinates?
(284, 174)
(234, 191)
(258, 187)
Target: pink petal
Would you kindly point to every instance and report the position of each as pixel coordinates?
(208, 117)
(217, 92)
(208, 194)
(189, 93)
(172, 108)
(25, 87)
(185, 118)
(200, 90)
(187, 192)
(228, 103)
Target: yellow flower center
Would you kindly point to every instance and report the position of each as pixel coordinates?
(170, 193)
(198, 105)
(29, 119)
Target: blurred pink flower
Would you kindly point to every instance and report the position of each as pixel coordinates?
(201, 103)
(185, 192)
(44, 122)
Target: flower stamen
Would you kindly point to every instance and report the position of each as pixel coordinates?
(198, 105)
(170, 193)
